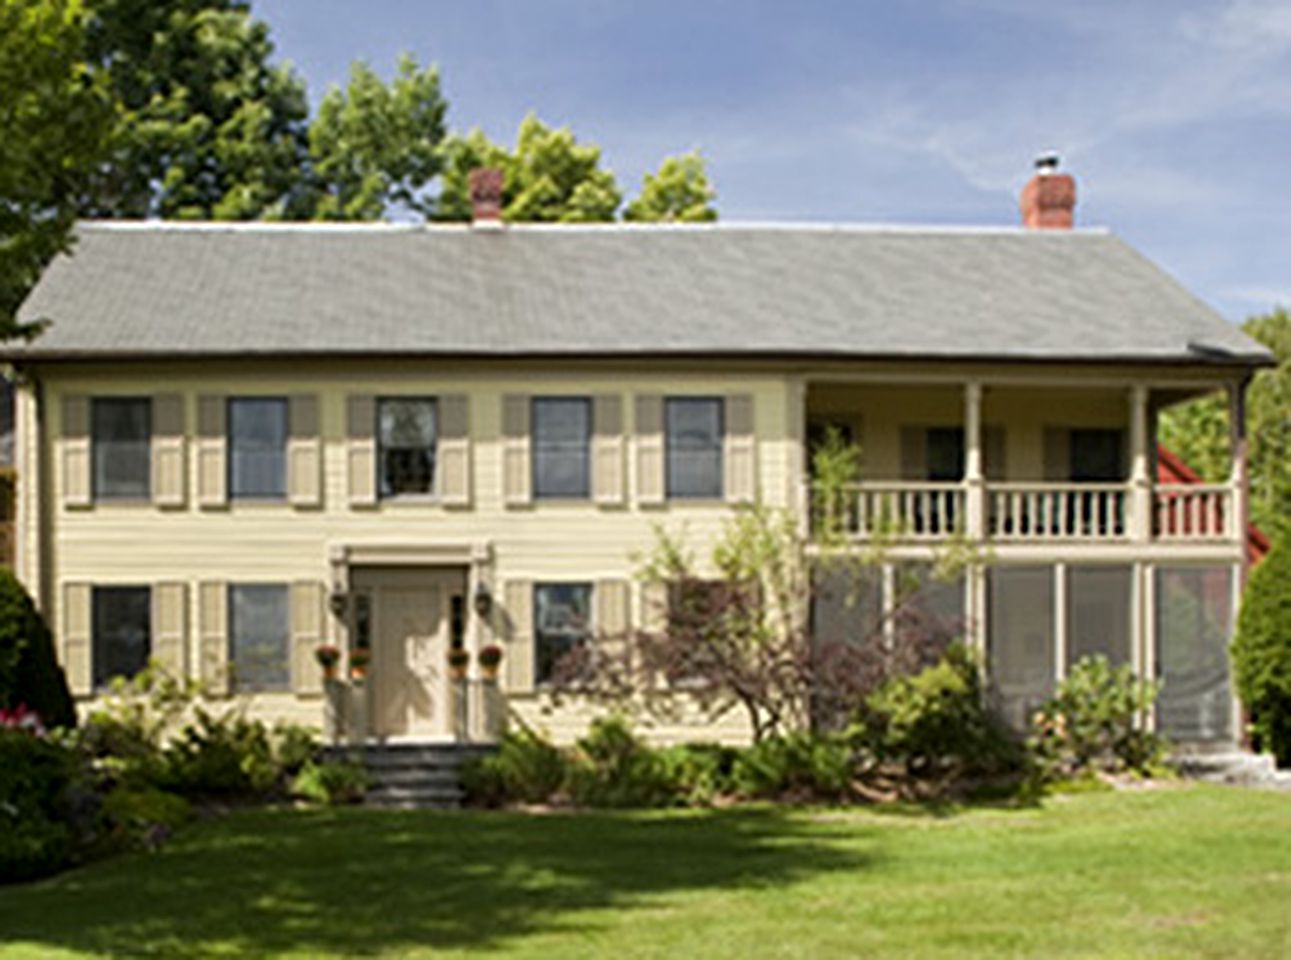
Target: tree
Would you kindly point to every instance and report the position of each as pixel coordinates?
(374, 146)
(549, 177)
(678, 192)
(1262, 651)
(1198, 431)
(53, 118)
(208, 128)
(29, 673)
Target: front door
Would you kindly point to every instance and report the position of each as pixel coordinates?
(413, 613)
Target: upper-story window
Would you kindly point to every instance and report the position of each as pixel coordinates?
(258, 448)
(562, 432)
(121, 447)
(1096, 456)
(694, 447)
(945, 454)
(407, 432)
(121, 621)
(259, 636)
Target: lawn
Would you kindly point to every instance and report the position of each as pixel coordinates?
(1183, 871)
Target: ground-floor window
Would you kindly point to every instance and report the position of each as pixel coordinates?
(562, 622)
(1020, 639)
(122, 632)
(1194, 616)
(258, 636)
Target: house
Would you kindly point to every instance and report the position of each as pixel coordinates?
(238, 441)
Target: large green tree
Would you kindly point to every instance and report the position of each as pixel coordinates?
(209, 128)
(53, 118)
(548, 177)
(678, 192)
(374, 146)
(1198, 431)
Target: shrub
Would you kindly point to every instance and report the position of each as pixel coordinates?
(612, 767)
(144, 816)
(802, 764)
(295, 747)
(333, 782)
(36, 776)
(221, 756)
(935, 724)
(699, 773)
(29, 672)
(527, 768)
(1091, 723)
(1262, 652)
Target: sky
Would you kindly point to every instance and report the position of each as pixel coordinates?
(1173, 115)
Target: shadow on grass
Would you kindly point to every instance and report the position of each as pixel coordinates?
(363, 882)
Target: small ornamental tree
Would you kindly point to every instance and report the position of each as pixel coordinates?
(1262, 652)
(29, 673)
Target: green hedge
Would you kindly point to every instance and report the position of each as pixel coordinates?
(29, 672)
(1262, 652)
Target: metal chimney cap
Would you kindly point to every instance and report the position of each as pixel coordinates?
(1047, 162)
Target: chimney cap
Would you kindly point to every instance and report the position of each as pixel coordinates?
(1047, 161)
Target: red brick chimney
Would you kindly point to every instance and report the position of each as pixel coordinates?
(1049, 197)
(486, 195)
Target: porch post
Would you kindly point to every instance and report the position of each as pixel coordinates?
(974, 487)
(1140, 472)
(1239, 513)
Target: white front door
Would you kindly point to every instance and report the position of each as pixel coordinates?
(413, 612)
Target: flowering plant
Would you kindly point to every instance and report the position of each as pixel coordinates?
(22, 718)
(327, 655)
(490, 656)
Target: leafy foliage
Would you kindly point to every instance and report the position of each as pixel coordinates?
(548, 177)
(1198, 431)
(54, 114)
(801, 765)
(612, 767)
(1262, 651)
(29, 672)
(331, 782)
(678, 192)
(1092, 723)
(526, 768)
(36, 776)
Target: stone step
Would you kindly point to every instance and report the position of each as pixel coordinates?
(393, 776)
(415, 797)
(1232, 766)
(412, 775)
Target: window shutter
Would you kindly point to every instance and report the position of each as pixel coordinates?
(613, 617)
(361, 449)
(212, 451)
(994, 453)
(1057, 454)
(739, 454)
(914, 453)
(519, 655)
(75, 455)
(455, 450)
(650, 448)
(77, 638)
(304, 452)
(214, 636)
(168, 486)
(306, 635)
(517, 472)
(607, 449)
(654, 607)
(170, 628)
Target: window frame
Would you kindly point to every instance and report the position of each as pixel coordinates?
(669, 492)
(431, 494)
(285, 404)
(96, 491)
(101, 592)
(539, 681)
(237, 684)
(586, 403)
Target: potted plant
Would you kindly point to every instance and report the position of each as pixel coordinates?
(458, 661)
(360, 657)
(328, 656)
(490, 656)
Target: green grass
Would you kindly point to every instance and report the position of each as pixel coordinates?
(1175, 872)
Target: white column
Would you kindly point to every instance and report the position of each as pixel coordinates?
(974, 486)
(1059, 622)
(1140, 520)
(1146, 581)
(27, 441)
(1238, 480)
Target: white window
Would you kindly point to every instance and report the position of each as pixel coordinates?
(258, 636)
(407, 430)
(121, 447)
(122, 632)
(562, 623)
(258, 448)
(562, 436)
(694, 448)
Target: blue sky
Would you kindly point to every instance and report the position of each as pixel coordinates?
(1174, 115)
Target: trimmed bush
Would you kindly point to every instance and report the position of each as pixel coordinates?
(1091, 723)
(1262, 652)
(29, 672)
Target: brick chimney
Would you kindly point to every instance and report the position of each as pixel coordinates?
(486, 196)
(1049, 197)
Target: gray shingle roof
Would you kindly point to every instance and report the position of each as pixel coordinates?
(143, 289)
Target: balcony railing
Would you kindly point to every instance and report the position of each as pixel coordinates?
(1026, 512)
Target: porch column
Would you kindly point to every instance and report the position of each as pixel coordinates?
(974, 486)
(1140, 520)
(1238, 480)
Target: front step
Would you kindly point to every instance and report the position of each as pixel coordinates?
(1232, 766)
(413, 776)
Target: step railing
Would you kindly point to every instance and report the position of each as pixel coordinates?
(1192, 512)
